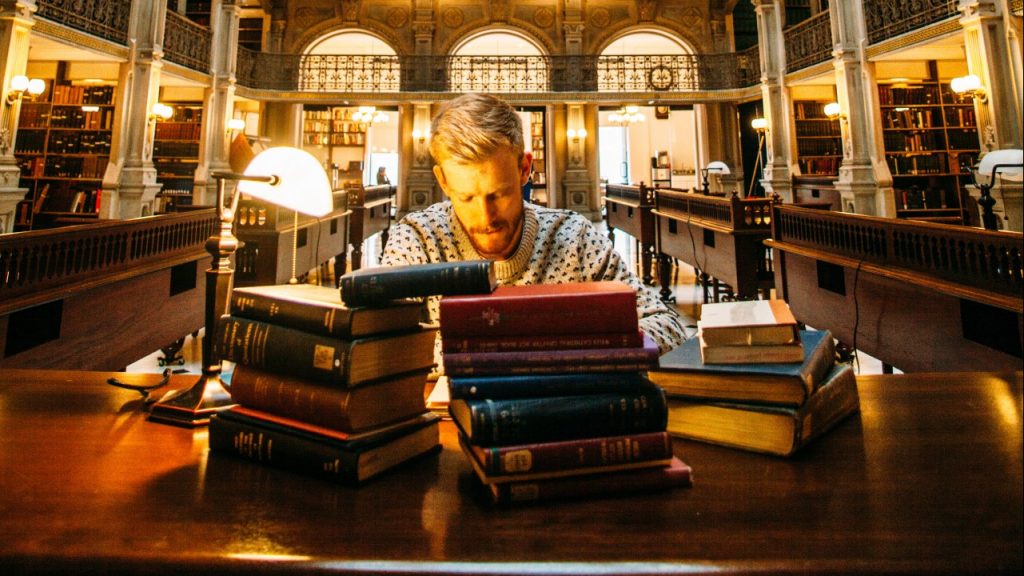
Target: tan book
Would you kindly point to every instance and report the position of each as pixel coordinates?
(746, 354)
(750, 322)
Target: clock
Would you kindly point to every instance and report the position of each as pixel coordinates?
(660, 77)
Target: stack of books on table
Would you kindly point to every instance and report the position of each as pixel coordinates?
(322, 388)
(757, 402)
(548, 390)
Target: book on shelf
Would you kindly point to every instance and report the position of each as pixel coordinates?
(340, 408)
(377, 285)
(676, 475)
(543, 385)
(318, 309)
(778, 430)
(553, 361)
(336, 361)
(681, 372)
(748, 322)
(541, 460)
(503, 422)
(321, 453)
(747, 354)
(572, 308)
(542, 341)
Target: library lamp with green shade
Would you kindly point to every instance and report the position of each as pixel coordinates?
(287, 177)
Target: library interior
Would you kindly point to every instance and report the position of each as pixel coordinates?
(826, 196)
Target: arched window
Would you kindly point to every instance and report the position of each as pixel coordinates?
(498, 61)
(350, 61)
(645, 61)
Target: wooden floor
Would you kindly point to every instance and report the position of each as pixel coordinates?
(688, 300)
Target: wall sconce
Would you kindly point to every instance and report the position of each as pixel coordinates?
(21, 84)
(420, 135)
(713, 167)
(283, 176)
(1009, 164)
(160, 111)
(969, 85)
(236, 125)
(833, 111)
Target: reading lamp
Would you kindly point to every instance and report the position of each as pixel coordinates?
(760, 125)
(1009, 164)
(713, 167)
(287, 177)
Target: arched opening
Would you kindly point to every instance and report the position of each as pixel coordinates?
(498, 61)
(350, 61)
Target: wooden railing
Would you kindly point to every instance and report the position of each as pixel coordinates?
(39, 266)
(733, 213)
(962, 255)
(639, 194)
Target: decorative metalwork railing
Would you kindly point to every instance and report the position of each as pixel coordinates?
(35, 266)
(186, 42)
(1016, 7)
(267, 71)
(808, 42)
(888, 18)
(107, 19)
(733, 213)
(964, 255)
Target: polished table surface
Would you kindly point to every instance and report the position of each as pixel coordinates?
(926, 479)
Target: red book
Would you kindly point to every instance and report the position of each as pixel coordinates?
(552, 361)
(574, 308)
(542, 342)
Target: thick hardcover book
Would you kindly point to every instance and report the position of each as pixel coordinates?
(541, 385)
(318, 309)
(544, 341)
(748, 322)
(318, 455)
(681, 372)
(347, 409)
(542, 460)
(676, 475)
(490, 422)
(330, 360)
(551, 361)
(770, 429)
(378, 285)
(747, 354)
(292, 426)
(574, 308)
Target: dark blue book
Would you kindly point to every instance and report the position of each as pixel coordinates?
(543, 385)
(682, 373)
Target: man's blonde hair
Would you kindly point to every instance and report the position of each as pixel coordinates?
(472, 127)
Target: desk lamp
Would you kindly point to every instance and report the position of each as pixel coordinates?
(713, 167)
(287, 177)
(1009, 164)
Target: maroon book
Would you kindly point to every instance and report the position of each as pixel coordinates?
(550, 361)
(574, 308)
(542, 342)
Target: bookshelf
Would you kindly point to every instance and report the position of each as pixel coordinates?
(250, 33)
(931, 143)
(819, 142)
(330, 133)
(538, 142)
(198, 11)
(62, 149)
(176, 152)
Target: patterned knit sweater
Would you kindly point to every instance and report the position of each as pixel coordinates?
(557, 246)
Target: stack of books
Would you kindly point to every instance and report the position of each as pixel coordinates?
(749, 332)
(548, 391)
(323, 388)
(771, 407)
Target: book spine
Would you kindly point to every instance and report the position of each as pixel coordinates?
(543, 385)
(524, 420)
(647, 356)
(283, 450)
(533, 342)
(283, 350)
(501, 370)
(326, 321)
(344, 409)
(821, 361)
(382, 284)
(837, 398)
(675, 475)
(573, 454)
(562, 313)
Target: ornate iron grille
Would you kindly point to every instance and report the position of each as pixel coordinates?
(1016, 7)
(107, 19)
(808, 42)
(350, 73)
(647, 73)
(888, 18)
(186, 42)
(267, 71)
(748, 67)
(497, 73)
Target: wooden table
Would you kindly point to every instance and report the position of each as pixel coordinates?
(628, 208)
(926, 479)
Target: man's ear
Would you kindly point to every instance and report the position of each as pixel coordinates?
(439, 174)
(525, 168)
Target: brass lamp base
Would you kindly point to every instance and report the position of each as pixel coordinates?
(193, 406)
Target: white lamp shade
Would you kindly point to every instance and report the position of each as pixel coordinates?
(301, 183)
(1014, 173)
(832, 109)
(19, 83)
(969, 83)
(759, 123)
(718, 167)
(36, 86)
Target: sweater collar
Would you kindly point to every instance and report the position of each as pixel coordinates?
(507, 269)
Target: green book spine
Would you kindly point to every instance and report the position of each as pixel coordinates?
(374, 286)
(491, 422)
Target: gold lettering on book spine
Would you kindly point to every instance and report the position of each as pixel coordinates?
(323, 357)
(518, 461)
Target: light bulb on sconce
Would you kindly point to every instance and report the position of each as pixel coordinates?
(969, 85)
(833, 110)
(235, 125)
(420, 135)
(160, 111)
(21, 84)
(576, 135)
